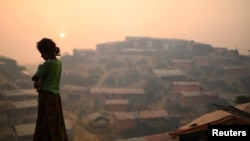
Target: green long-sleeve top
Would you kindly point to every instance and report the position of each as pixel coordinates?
(49, 74)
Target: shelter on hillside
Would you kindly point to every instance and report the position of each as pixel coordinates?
(197, 129)
(171, 74)
(103, 94)
(23, 107)
(155, 137)
(235, 70)
(7, 134)
(117, 105)
(193, 99)
(200, 61)
(191, 86)
(146, 122)
(25, 132)
(19, 94)
(98, 120)
(183, 64)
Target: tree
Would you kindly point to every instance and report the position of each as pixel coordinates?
(246, 82)
(242, 99)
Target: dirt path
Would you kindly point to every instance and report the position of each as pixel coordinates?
(79, 131)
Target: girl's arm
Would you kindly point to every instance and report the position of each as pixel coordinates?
(39, 70)
(35, 78)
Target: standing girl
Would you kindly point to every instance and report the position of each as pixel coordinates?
(50, 124)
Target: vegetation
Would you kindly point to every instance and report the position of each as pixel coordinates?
(12, 75)
(242, 99)
(246, 83)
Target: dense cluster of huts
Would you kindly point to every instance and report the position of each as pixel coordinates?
(117, 102)
(18, 115)
(19, 107)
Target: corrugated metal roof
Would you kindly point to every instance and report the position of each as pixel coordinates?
(68, 125)
(126, 115)
(6, 132)
(159, 137)
(156, 137)
(95, 116)
(186, 83)
(132, 50)
(73, 87)
(200, 57)
(6, 105)
(110, 43)
(140, 115)
(196, 93)
(235, 111)
(23, 130)
(20, 92)
(201, 122)
(28, 129)
(25, 104)
(133, 139)
(181, 60)
(190, 93)
(220, 48)
(117, 101)
(117, 91)
(168, 72)
(153, 114)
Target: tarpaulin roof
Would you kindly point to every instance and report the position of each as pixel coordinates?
(217, 117)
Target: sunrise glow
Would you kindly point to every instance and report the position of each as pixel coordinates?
(62, 34)
(84, 24)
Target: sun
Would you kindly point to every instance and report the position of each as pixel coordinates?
(62, 34)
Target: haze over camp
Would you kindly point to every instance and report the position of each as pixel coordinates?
(83, 24)
(124, 70)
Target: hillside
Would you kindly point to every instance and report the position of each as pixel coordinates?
(121, 65)
(13, 76)
(222, 75)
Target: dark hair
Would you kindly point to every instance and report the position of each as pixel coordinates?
(48, 45)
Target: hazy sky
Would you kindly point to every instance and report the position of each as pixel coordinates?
(222, 23)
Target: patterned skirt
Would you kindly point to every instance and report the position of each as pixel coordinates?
(50, 124)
